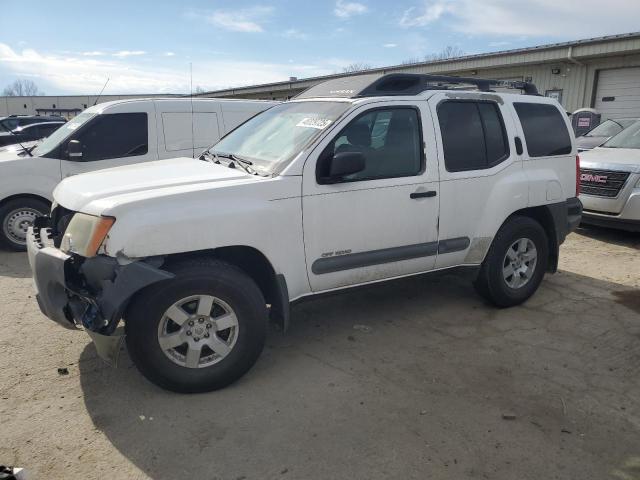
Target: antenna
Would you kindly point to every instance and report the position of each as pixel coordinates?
(103, 87)
(19, 143)
(193, 140)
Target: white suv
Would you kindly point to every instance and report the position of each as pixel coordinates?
(356, 181)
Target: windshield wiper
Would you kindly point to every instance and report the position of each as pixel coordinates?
(235, 159)
(17, 139)
(209, 157)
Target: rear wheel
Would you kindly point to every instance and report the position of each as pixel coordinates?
(515, 264)
(16, 216)
(200, 331)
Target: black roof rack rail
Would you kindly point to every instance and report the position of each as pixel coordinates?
(374, 85)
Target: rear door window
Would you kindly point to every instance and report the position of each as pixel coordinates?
(545, 131)
(473, 135)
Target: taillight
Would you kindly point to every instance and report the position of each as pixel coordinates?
(577, 175)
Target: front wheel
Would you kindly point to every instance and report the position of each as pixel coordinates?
(16, 216)
(200, 331)
(515, 263)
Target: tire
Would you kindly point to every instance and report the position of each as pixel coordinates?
(493, 283)
(149, 320)
(15, 217)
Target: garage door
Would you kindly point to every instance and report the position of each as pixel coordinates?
(618, 93)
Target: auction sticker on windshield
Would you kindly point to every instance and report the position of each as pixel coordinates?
(314, 122)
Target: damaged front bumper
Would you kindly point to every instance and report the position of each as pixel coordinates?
(90, 293)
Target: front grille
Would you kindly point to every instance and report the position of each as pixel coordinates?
(602, 183)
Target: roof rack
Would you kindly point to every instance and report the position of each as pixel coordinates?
(407, 84)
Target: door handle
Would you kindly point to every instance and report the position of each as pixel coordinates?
(430, 193)
(518, 143)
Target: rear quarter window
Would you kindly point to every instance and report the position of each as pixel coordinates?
(545, 131)
(473, 135)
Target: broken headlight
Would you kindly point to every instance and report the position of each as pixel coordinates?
(85, 233)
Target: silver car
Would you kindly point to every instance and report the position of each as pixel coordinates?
(603, 132)
(610, 181)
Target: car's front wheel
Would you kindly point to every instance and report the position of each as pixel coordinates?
(200, 331)
(16, 216)
(515, 264)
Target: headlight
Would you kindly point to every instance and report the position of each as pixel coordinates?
(85, 233)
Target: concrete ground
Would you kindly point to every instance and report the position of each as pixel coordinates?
(413, 379)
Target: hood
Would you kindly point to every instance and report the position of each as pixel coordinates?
(623, 159)
(96, 191)
(9, 156)
(587, 143)
(15, 151)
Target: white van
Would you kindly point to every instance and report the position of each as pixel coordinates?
(108, 135)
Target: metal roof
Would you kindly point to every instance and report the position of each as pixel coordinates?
(306, 82)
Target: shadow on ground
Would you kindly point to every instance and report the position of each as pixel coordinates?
(410, 379)
(611, 235)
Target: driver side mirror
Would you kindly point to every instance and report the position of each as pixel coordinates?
(74, 148)
(343, 164)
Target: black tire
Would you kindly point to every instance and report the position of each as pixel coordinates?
(14, 206)
(491, 283)
(197, 277)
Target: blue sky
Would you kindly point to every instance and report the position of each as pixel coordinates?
(146, 47)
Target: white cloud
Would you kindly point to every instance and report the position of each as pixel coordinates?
(295, 33)
(542, 18)
(390, 45)
(345, 9)
(169, 54)
(94, 53)
(128, 53)
(431, 12)
(78, 74)
(249, 20)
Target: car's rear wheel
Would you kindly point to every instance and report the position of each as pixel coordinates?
(200, 331)
(515, 264)
(16, 216)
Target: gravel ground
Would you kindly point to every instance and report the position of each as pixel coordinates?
(417, 378)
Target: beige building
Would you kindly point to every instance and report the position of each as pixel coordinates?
(599, 72)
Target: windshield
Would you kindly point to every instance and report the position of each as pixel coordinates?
(8, 124)
(277, 135)
(609, 128)
(628, 138)
(53, 140)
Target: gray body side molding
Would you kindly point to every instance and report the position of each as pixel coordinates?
(388, 255)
